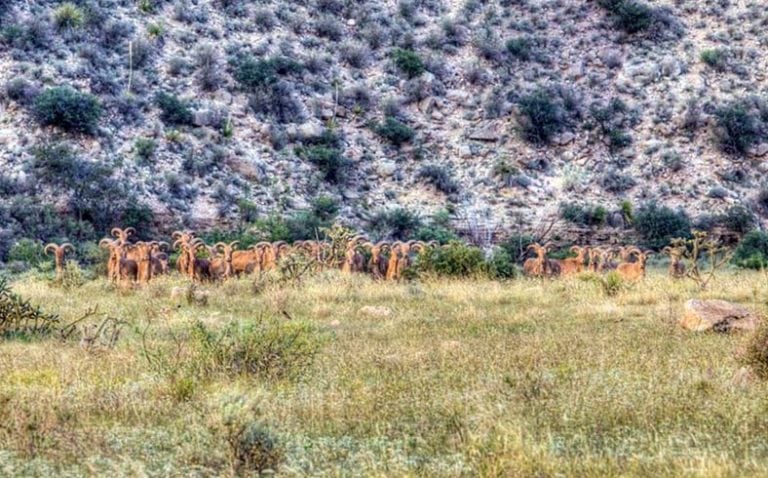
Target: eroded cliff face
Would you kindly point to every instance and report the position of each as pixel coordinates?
(499, 110)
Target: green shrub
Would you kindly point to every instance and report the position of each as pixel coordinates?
(612, 283)
(752, 252)
(439, 177)
(395, 131)
(67, 109)
(173, 111)
(658, 225)
(584, 215)
(398, 223)
(738, 219)
(521, 47)
(452, 260)
(28, 251)
(516, 245)
(253, 74)
(408, 62)
(544, 114)
(263, 347)
(330, 161)
(738, 128)
(437, 229)
(253, 448)
(145, 148)
(633, 16)
(73, 276)
(68, 15)
(716, 58)
(501, 265)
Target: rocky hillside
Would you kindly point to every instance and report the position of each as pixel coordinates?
(218, 112)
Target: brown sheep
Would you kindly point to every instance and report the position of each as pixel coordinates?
(634, 271)
(59, 251)
(377, 265)
(221, 266)
(541, 266)
(113, 262)
(142, 256)
(574, 265)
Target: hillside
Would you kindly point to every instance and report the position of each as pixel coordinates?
(217, 113)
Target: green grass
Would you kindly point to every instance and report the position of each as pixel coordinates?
(526, 378)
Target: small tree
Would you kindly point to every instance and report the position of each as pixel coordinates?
(700, 248)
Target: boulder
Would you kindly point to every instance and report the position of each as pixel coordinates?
(488, 132)
(717, 315)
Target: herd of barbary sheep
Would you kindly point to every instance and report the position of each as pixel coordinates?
(139, 262)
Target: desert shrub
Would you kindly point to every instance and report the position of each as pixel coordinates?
(330, 28)
(208, 68)
(395, 131)
(72, 277)
(67, 109)
(408, 61)
(545, 113)
(440, 177)
(658, 225)
(521, 48)
(716, 58)
(253, 448)
(437, 229)
(252, 73)
(397, 223)
(20, 90)
(278, 101)
(262, 347)
(19, 318)
(633, 17)
(738, 219)
(738, 128)
(326, 153)
(264, 19)
(611, 119)
(583, 214)
(330, 161)
(617, 182)
(612, 283)
(68, 15)
(755, 355)
(173, 110)
(145, 148)
(752, 251)
(96, 197)
(452, 260)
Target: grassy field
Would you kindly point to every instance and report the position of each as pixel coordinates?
(526, 378)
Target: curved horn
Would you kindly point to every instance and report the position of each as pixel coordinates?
(69, 246)
(129, 231)
(50, 248)
(116, 232)
(106, 243)
(234, 244)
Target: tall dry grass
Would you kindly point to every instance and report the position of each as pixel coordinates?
(462, 378)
